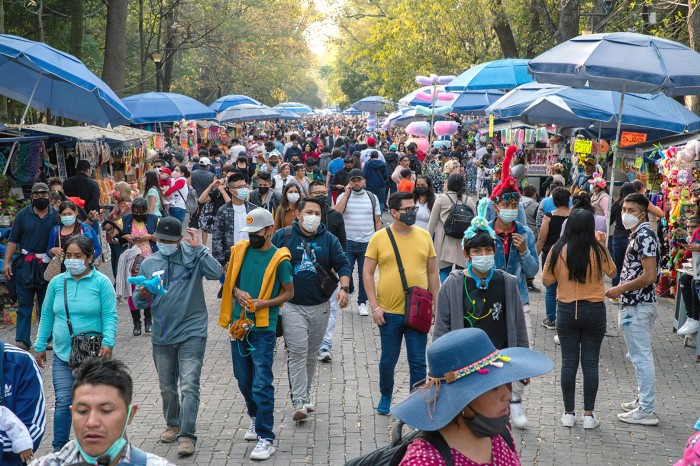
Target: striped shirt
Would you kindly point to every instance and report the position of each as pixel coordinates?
(358, 216)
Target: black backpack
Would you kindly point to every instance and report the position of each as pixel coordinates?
(459, 218)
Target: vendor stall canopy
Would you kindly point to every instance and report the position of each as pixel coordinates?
(121, 137)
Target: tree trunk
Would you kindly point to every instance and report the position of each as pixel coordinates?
(143, 59)
(113, 70)
(568, 21)
(77, 28)
(503, 31)
(170, 47)
(40, 19)
(3, 99)
(693, 101)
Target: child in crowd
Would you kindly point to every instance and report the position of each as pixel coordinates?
(17, 432)
(164, 175)
(406, 185)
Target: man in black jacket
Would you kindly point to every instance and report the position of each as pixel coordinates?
(82, 186)
(264, 196)
(335, 224)
(342, 177)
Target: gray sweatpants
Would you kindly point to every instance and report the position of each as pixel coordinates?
(304, 327)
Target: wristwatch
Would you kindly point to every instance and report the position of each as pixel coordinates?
(345, 289)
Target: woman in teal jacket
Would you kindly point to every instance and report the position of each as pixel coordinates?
(92, 305)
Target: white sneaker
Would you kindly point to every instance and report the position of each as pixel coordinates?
(568, 420)
(590, 422)
(637, 416)
(689, 327)
(364, 311)
(250, 433)
(517, 415)
(630, 405)
(263, 450)
(324, 355)
(556, 340)
(310, 407)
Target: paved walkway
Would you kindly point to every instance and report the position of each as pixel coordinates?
(346, 392)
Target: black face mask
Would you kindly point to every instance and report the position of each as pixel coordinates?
(323, 200)
(41, 203)
(483, 426)
(421, 190)
(489, 150)
(140, 217)
(274, 164)
(263, 190)
(256, 241)
(348, 169)
(409, 218)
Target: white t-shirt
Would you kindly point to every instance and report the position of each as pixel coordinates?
(423, 215)
(240, 215)
(235, 150)
(177, 199)
(365, 155)
(280, 183)
(359, 218)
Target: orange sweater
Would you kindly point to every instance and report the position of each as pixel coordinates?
(406, 185)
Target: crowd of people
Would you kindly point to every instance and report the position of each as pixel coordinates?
(355, 214)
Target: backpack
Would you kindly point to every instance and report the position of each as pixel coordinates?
(191, 202)
(459, 219)
(373, 199)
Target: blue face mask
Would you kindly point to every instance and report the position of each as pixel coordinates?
(68, 220)
(113, 451)
(358, 191)
(242, 194)
(75, 266)
(168, 249)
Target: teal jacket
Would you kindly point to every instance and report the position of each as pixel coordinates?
(92, 305)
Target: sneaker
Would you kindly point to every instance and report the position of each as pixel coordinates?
(250, 433)
(630, 405)
(533, 288)
(549, 324)
(300, 413)
(22, 345)
(556, 340)
(615, 301)
(384, 405)
(517, 415)
(637, 416)
(185, 447)
(324, 355)
(309, 407)
(568, 419)
(263, 450)
(590, 422)
(689, 327)
(169, 435)
(364, 311)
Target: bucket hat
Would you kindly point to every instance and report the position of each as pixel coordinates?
(464, 364)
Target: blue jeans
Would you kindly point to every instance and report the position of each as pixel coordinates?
(636, 324)
(356, 252)
(445, 272)
(619, 248)
(391, 334)
(25, 306)
(330, 328)
(180, 363)
(550, 301)
(178, 213)
(253, 371)
(380, 192)
(63, 388)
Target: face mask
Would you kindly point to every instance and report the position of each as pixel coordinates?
(41, 203)
(629, 221)
(508, 215)
(489, 150)
(113, 451)
(348, 169)
(68, 220)
(292, 197)
(483, 263)
(75, 266)
(358, 191)
(256, 241)
(421, 190)
(139, 217)
(323, 200)
(409, 218)
(311, 223)
(263, 190)
(483, 426)
(274, 164)
(168, 249)
(242, 193)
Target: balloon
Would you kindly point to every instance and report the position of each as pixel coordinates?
(423, 110)
(424, 80)
(424, 96)
(445, 79)
(442, 110)
(445, 128)
(446, 96)
(418, 128)
(422, 143)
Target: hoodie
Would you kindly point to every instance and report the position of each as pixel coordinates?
(181, 313)
(376, 173)
(328, 252)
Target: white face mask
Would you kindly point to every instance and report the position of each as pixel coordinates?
(508, 215)
(292, 197)
(311, 223)
(629, 221)
(483, 263)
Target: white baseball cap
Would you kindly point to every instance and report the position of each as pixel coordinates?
(204, 161)
(257, 219)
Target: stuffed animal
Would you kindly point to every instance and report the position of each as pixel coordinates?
(153, 285)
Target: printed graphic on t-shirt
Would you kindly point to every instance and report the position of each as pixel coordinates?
(643, 243)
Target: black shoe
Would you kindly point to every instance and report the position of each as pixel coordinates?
(137, 328)
(220, 293)
(22, 345)
(148, 326)
(549, 324)
(533, 288)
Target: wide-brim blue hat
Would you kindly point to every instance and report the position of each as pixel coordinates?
(463, 365)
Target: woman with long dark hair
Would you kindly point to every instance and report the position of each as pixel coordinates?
(581, 314)
(153, 194)
(621, 235)
(424, 197)
(286, 212)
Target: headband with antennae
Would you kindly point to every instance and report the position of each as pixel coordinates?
(479, 223)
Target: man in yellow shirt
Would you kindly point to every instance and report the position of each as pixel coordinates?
(387, 298)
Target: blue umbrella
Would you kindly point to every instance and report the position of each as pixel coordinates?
(295, 107)
(247, 112)
(475, 102)
(45, 78)
(159, 107)
(372, 104)
(403, 117)
(222, 103)
(500, 74)
(286, 114)
(352, 111)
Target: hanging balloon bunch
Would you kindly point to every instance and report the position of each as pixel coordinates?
(432, 98)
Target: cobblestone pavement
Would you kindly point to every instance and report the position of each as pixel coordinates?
(346, 392)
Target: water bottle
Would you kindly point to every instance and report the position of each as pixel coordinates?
(697, 424)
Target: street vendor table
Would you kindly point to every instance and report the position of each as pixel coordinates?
(680, 315)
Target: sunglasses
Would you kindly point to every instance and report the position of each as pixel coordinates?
(508, 197)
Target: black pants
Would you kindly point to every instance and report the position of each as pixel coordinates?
(581, 335)
(136, 314)
(690, 296)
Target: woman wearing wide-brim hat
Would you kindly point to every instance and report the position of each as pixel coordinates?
(466, 398)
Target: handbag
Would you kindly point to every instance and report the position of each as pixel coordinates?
(327, 280)
(418, 308)
(83, 346)
(54, 267)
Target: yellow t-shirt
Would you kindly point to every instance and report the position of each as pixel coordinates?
(415, 249)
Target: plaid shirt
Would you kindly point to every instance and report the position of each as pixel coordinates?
(69, 454)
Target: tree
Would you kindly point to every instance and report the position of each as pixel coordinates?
(113, 69)
(693, 102)
(77, 27)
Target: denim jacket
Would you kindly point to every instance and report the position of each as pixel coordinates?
(521, 266)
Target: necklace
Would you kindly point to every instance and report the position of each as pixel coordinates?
(474, 315)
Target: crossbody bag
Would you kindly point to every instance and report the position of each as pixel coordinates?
(83, 346)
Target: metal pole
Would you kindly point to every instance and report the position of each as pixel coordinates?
(26, 110)
(617, 148)
(433, 101)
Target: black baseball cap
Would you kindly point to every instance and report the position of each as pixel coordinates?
(168, 229)
(356, 173)
(348, 159)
